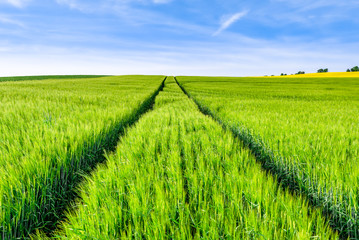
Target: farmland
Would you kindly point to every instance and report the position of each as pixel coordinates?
(45, 77)
(304, 130)
(51, 133)
(154, 157)
(178, 175)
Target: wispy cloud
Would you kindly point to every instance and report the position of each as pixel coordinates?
(202, 59)
(83, 5)
(229, 21)
(7, 20)
(174, 37)
(15, 3)
(306, 5)
(70, 3)
(161, 1)
(133, 12)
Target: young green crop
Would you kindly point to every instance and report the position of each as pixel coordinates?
(48, 77)
(52, 132)
(178, 175)
(312, 122)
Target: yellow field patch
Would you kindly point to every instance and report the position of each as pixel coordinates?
(329, 74)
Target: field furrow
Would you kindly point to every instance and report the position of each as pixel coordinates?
(178, 175)
(52, 133)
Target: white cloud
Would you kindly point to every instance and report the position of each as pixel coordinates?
(231, 59)
(7, 20)
(93, 6)
(130, 12)
(73, 4)
(229, 21)
(16, 3)
(310, 4)
(161, 1)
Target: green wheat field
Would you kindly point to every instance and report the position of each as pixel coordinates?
(156, 157)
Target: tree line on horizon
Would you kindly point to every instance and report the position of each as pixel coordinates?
(324, 70)
(354, 69)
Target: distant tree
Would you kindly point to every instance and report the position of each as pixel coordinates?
(348, 70)
(322, 70)
(300, 72)
(355, 69)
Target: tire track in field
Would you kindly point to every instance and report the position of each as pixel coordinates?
(289, 177)
(92, 156)
(186, 180)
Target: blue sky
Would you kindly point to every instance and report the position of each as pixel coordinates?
(177, 37)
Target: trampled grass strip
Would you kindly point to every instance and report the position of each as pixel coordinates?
(178, 175)
(288, 175)
(36, 193)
